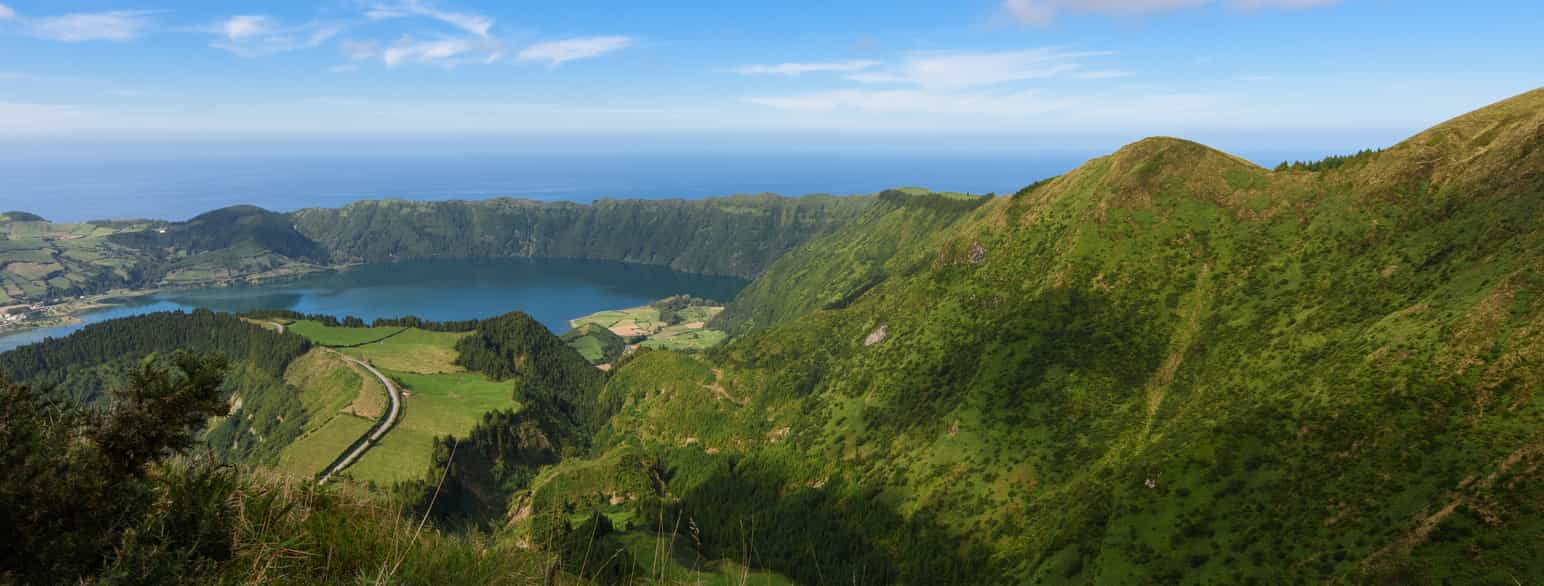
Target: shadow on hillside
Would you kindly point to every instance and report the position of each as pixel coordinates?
(820, 533)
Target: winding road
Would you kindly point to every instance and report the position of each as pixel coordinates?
(377, 431)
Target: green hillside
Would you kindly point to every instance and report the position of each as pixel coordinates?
(1166, 365)
(833, 270)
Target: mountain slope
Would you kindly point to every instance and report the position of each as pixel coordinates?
(834, 269)
(1166, 365)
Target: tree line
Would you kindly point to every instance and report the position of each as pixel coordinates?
(349, 321)
(1330, 162)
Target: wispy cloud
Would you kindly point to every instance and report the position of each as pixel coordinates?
(246, 26)
(1026, 109)
(444, 52)
(974, 89)
(793, 69)
(257, 35)
(952, 70)
(6, 12)
(470, 22)
(472, 43)
(120, 25)
(1041, 12)
(555, 53)
(344, 68)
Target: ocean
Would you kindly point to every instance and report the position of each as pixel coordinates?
(179, 184)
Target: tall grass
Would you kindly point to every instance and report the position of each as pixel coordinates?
(290, 531)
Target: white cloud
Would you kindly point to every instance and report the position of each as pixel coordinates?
(448, 52)
(556, 53)
(474, 43)
(121, 25)
(257, 35)
(989, 110)
(792, 69)
(952, 70)
(6, 12)
(473, 23)
(1040, 12)
(245, 26)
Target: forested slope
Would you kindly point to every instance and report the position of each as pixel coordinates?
(86, 365)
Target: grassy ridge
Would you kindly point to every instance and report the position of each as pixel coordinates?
(1168, 364)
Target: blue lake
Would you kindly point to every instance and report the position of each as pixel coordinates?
(552, 291)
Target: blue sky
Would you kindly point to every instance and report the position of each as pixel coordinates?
(1074, 74)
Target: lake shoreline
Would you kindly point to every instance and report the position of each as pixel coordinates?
(554, 290)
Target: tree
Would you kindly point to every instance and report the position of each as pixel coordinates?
(78, 499)
(159, 411)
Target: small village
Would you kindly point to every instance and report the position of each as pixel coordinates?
(15, 314)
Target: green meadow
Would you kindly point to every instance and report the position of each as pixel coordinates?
(439, 398)
(341, 336)
(412, 350)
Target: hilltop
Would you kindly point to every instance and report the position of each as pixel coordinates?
(16, 216)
